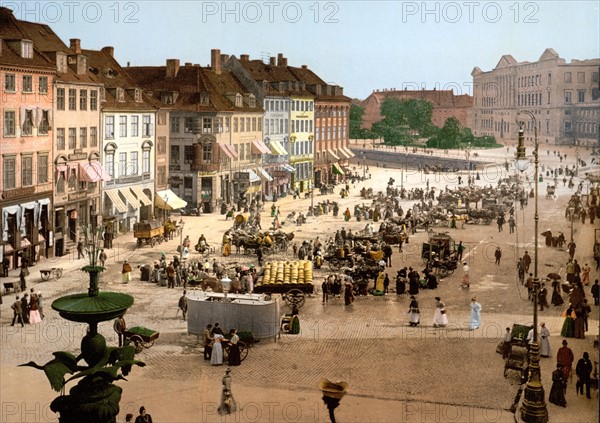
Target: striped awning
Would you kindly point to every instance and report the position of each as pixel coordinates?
(333, 155)
(228, 150)
(93, 172)
(336, 169)
(259, 147)
(252, 176)
(342, 154)
(349, 152)
(263, 174)
(288, 168)
(113, 194)
(131, 199)
(141, 195)
(277, 148)
(168, 200)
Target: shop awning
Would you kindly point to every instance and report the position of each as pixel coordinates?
(277, 148)
(131, 199)
(168, 200)
(228, 150)
(349, 152)
(333, 155)
(288, 168)
(113, 194)
(336, 169)
(252, 176)
(141, 195)
(342, 154)
(263, 174)
(93, 172)
(259, 147)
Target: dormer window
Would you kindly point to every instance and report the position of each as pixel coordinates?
(238, 100)
(204, 99)
(282, 86)
(120, 95)
(266, 86)
(26, 49)
(251, 100)
(102, 94)
(138, 95)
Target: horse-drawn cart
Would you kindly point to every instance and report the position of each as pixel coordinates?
(148, 232)
(140, 337)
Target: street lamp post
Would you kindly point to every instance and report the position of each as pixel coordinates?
(533, 409)
(181, 241)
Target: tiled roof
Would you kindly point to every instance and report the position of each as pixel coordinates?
(9, 30)
(439, 98)
(260, 71)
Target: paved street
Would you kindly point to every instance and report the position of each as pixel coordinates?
(395, 373)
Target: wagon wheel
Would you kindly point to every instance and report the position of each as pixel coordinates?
(149, 343)
(334, 264)
(160, 239)
(138, 342)
(58, 273)
(294, 297)
(152, 242)
(243, 350)
(139, 242)
(443, 271)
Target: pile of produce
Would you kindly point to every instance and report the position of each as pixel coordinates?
(281, 276)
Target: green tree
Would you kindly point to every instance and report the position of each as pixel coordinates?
(451, 132)
(356, 121)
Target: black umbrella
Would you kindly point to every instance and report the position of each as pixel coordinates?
(553, 276)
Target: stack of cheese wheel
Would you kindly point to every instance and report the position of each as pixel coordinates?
(294, 272)
(286, 272)
(279, 277)
(308, 278)
(301, 271)
(267, 275)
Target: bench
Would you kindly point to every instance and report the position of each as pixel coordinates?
(15, 286)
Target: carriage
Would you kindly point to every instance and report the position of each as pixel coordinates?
(140, 337)
(148, 232)
(517, 358)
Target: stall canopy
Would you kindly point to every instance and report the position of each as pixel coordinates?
(277, 148)
(336, 169)
(252, 176)
(141, 195)
(263, 174)
(168, 200)
(259, 147)
(93, 172)
(113, 194)
(288, 168)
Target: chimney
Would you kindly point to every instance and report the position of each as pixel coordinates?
(304, 67)
(109, 50)
(279, 59)
(172, 68)
(75, 45)
(272, 61)
(215, 61)
(244, 57)
(224, 59)
(284, 62)
(188, 64)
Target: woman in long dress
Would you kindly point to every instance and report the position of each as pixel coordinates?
(233, 358)
(568, 328)
(216, 359)
(439, 315)
(34, 314)
(579, 324)
(557, 392)
(126, 271)
(545, 342)
(475, 314)
(556, 297)
(414, 315)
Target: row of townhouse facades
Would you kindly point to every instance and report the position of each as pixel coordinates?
(85, 141)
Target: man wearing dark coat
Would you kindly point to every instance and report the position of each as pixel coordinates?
(25, 308)
(583, 371)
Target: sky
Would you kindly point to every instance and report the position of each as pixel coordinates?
(360, 45)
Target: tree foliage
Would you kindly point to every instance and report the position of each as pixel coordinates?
(356, 120)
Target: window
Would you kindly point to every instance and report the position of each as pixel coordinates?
(174, 154)
(227, 124)
(175, 124)
(82, 99)
(72, 99)
(10, 129)
(120, 95)
(242, 125)
(43, 85)
(122, 126)
(162, 175)
(567, 96)
(109, 164)
(27, 83)
(26, 171)
(109, 127)
(568, 126)
(93, 136)
(60, 138)
(580, 77)
(42, 169)
(206, 125)
(44, 122)
(218, 125)
(10, 178)
(133, 163)
(161, 147)
(161, 117)
(60, 182)
(310, 106)
(122, 164)
(595, 76)
(72, 138)
(135, 126)
(188, 124)
(27, 123)
(581, 96)
(207, 152)
(567, 77)
(60, 99)
(26, 49)
(138, 95)
(235, 124)
(146, 128)
(82, 137)
(9, 82)
(248, 124)
(145, 161)
(72, 179)
(189, 154)
(93, 100)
